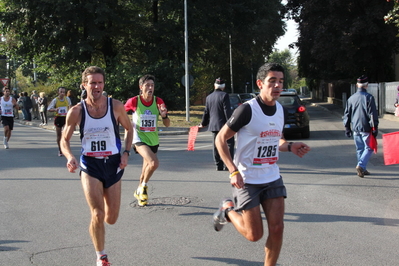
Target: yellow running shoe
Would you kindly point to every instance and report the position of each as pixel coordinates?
(141, 195)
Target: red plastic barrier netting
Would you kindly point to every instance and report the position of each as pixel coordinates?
(192, 136)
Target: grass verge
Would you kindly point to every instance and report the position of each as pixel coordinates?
(178, 118)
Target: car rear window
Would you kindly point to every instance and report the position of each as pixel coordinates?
(286, 100)
(234, 100)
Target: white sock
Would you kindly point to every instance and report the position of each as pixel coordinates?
(100, 253)
(143, 184)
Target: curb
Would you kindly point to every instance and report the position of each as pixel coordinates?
(173, 131)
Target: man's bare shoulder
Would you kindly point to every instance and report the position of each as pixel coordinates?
(116, 102)
(118, 105)
(76, 110)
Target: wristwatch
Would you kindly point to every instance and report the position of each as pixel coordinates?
(128, 152)
(289, 146)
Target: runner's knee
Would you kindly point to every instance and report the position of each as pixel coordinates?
(111, 219)
(153, 164)
(98, 215)
(254, 235)
(276, 229)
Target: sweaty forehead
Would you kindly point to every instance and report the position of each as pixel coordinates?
(275, 75)
(148, 81)
(96, 77)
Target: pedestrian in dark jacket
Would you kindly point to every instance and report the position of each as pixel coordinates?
(20, 103)
(360, 117)
(27, 103)
(16, 97)
(217, 112)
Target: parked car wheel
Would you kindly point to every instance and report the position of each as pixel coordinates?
(306, 133)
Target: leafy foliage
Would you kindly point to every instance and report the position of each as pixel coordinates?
(344, 39)
(131, 38)
(393, 15)
(285, 59)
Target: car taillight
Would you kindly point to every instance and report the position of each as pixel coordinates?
(301, 109)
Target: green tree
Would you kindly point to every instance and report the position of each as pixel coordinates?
(344, 39)
(132, 38)
(63, 38)
(393, 15)
(285, 59)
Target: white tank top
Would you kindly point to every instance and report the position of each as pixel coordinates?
(99, 136)
(7, 107)
(258, 145)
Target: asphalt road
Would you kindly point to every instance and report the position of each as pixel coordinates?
(332, 216)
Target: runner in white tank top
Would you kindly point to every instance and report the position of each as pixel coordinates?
(257, 145)
(254, 174)
(101, 163)
(99, 136)
(7, 105)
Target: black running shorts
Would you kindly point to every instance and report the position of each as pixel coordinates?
(8, 121)
(154, 149)
(106, 169)
(59, 121)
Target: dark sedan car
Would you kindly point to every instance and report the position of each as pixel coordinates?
(247, 96)
(235, 101)
(298, 117)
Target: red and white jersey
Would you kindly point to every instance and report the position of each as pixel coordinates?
(258, 145)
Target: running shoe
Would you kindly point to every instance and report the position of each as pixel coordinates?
(366, 172)
(219, 217)
(5, 143)
(103, 261)
(141, 195)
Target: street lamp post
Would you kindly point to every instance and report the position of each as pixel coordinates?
(34, 74)
(186, 77)
(231, 66)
